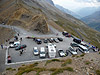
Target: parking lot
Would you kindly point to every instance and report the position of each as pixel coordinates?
(28, 53)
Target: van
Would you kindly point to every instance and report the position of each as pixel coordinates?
(77, 40)
(51, 50)
(42, 52)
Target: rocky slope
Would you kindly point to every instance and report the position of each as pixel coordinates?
(32, 14)
(5, 34)
(93, 20)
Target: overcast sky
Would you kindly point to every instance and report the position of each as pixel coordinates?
(77, 4)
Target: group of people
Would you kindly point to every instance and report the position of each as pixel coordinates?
(21, 51)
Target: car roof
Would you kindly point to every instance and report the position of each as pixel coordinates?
(35, 47)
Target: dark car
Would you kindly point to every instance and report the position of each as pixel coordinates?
(69, 35)
(74, 44)
(60, 39)
(50, 40)
(56, 40)
(61, 53)
(45, 40)
(77, 40)
(11, 42)
(20, 47)
(38, 41)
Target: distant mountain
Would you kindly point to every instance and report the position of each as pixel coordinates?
(93, 20)
(87, 11)
(50, 1)
(68, 11)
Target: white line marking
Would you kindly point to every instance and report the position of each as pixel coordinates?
(30, 61)
(6, 56)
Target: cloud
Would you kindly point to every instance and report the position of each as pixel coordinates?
(77, 4)
(89, 1)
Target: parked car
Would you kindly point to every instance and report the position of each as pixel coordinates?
(38, 41)
(72, 51)
(74, 44)
(61, 53)
(52, 40)
(50, 44)
(49, 40)
(20, 47)
(56, 40)
(35, 51)
(29, 37)
(92, 48)
(11, 42)
(42, 52)
(45, 40)
(69, 35)
(15, 44)
(64, 33)
(60, 39)
(76, 40)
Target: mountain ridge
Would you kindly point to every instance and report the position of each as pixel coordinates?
(27, 14)
(93, 20)
(68, 11)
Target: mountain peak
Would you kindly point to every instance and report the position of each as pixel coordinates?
(50, 1)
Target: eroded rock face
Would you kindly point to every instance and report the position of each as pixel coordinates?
(42, 26)
(39, 24)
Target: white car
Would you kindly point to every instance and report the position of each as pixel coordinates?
(72, 51)
(61, 53)
(42, 52)
(35, 51)
(15, 44)
(50, 44)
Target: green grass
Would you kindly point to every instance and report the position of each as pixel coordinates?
(57, 71)
(53, 60)
(99, 52)
(82, 55)
(68, 61)
(68, 69)
(87, 62)
(77, 56)
(11, 69)
(60, 70)
(98, 72)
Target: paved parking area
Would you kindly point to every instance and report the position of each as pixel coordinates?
(28, 54)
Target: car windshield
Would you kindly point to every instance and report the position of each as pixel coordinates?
(61, 52)
(35, 50)
(86, 50)
(42, 52)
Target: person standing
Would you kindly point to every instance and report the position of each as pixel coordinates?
(2, 46)
(21, 39)
(20, 53)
